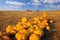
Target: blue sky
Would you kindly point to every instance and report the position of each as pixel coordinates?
(30, 4)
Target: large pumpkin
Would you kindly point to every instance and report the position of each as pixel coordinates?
(1, 34)
(5, 38)
(20, 36)
(10, 30)
(34, 37)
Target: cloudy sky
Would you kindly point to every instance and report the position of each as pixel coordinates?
(30, 4)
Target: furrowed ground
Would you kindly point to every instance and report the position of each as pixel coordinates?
(11, 18)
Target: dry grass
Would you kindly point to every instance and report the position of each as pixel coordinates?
(11, 18)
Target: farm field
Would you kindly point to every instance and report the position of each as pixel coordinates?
(13, 17)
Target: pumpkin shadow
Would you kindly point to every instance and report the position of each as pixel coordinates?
(49, 34)
(12, 37)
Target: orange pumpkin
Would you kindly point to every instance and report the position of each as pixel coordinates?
(51, 21)
(5, 38)
(39, 32)
(48, 28)
(34, 37)
(20, 36)
(17, 28)
(10, 30)
(1, 34)
(24, 19)
(31, 29)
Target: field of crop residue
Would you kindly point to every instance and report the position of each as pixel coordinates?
(13, 17)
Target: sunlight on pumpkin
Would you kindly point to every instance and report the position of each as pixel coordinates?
(34, 37)
(5, 38)
(1, 34)
(10, 30)
(27, 29)
(24, 19)
(51, 21)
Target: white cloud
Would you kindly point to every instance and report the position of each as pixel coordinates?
(36, 2)
(51, 4)
(51, 1)
(15, 3)
(55, 6)
(52, 7)
(11, 7)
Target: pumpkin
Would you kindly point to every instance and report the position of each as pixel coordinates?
(17, 28)
(36, 18)
(19, 24)
(42, 25)
(34, 37)
(1, 34)
(24, 19)
(10, 30)
(51, 21)
(20, 36)
(5, 38)
(46, 24)
(31, 29)
(39, 32)
(28, 23)
(48, 28)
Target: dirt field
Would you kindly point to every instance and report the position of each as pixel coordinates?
(11, 18)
